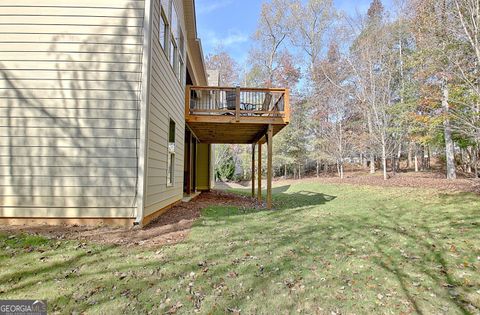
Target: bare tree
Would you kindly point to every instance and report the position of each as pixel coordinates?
(433, 20)
(271, 35)
(466, 29)
(373, 65)
(336, 109)
(309, 24)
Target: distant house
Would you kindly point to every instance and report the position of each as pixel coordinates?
(105, 111)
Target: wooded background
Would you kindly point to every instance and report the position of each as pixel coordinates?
(388, 90)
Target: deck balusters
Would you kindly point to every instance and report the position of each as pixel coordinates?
(223, 101)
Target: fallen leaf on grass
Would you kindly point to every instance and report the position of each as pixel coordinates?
(121, 276)
(175, 308)
(234, 310)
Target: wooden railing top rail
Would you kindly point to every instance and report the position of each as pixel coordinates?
(230, 88)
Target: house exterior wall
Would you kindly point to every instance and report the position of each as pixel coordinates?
(167, 101)
(70, 86)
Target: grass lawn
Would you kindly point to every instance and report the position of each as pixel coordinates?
(327, 249)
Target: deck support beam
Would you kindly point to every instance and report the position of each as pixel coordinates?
(253, 170)
(188, 162)
(259, 176)
(269, 165)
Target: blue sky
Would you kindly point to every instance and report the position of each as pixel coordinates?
(231, 23)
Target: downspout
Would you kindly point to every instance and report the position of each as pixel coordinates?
(144, 111)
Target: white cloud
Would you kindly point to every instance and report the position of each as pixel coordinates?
(205, 8)
(213, 40)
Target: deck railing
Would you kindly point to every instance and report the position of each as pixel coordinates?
(238, 102)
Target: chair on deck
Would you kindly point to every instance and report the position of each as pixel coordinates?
(231, 98)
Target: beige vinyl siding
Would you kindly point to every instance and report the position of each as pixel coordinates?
(167, 101)
(70, 85)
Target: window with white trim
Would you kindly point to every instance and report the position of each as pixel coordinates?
(173, 54)
(181, 59)
(163, 31)
(172, 39)
(164, 25)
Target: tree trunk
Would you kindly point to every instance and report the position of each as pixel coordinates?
(470, 152)
(409, 157)
(318, 169)
(372, 163)
(393, 161)
(416, 162)
(384, 162)
(285, 171)
(341, 170)
(449, 147)
(299, 171)
(372, 155)
(428, 161)
(364, 160)
(475, 161)
(424, 163)
(399, 157)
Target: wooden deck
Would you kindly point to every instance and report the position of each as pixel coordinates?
(235, 115)
(239, 116)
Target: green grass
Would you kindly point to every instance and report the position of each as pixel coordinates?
(326, 249)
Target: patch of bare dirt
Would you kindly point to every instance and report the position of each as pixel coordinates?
(170, 228)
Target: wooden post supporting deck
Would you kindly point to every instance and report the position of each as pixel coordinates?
(269, 166)
(253, 170)
(188, 161)
(259, 170)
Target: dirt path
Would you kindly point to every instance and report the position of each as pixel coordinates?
(170, 228)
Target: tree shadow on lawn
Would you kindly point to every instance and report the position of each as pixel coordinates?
(285, 205)
(404, 243)
(425, 251)
(285, 200)
(425, 257)
(74, 277)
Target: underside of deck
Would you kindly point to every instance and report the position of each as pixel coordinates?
(233, 133)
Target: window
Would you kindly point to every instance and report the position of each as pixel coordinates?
(163, 37)
(173, 54)
(181, 54)
(175, 26)
(164, 25)
(171, 154)
(172, 39)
